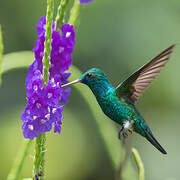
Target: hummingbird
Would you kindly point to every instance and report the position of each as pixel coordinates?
(118, 103)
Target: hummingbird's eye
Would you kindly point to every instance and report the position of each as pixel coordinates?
(89, 75)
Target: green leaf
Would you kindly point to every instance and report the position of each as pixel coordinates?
(19, 161)
(16, 60)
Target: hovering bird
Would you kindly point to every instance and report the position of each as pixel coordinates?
(119, 103)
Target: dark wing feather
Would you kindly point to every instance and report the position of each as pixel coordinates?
(135, 85)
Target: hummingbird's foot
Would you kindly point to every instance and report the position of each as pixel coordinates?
(130, 131)
(123, 133)
(125, 129)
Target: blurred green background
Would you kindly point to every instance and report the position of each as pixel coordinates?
(117, 36)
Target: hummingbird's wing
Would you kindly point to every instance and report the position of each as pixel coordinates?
(135, 85)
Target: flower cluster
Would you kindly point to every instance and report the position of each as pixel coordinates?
(43, 110)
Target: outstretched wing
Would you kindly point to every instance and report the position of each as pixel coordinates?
(135, 85)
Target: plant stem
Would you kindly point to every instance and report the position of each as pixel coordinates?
(40, 149)
(75, 12)
(60, 17)
(122, 166)
(138, 163)
(18, 163)
(47, 43)
(1, 53)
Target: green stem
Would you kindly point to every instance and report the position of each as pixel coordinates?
(1, 53)
(75, 12)
(60, 17)
(138, 163)
(40, 149)
(122, 166)
(18, 163)
(47, 43)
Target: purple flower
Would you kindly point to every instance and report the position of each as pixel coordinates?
(41, 26)
(43, 111)
(85, 1)
(62, 47)
(33, 83)
(65, 95)
(56, 117)
(30, 129)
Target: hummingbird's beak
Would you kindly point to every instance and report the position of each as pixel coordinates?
(73, 82)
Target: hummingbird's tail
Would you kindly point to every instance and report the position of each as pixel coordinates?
(149, 136)
(141, 127)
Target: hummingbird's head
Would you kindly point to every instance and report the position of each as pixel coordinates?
(91, 77)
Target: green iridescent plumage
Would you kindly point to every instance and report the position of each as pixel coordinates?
(119, 103)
